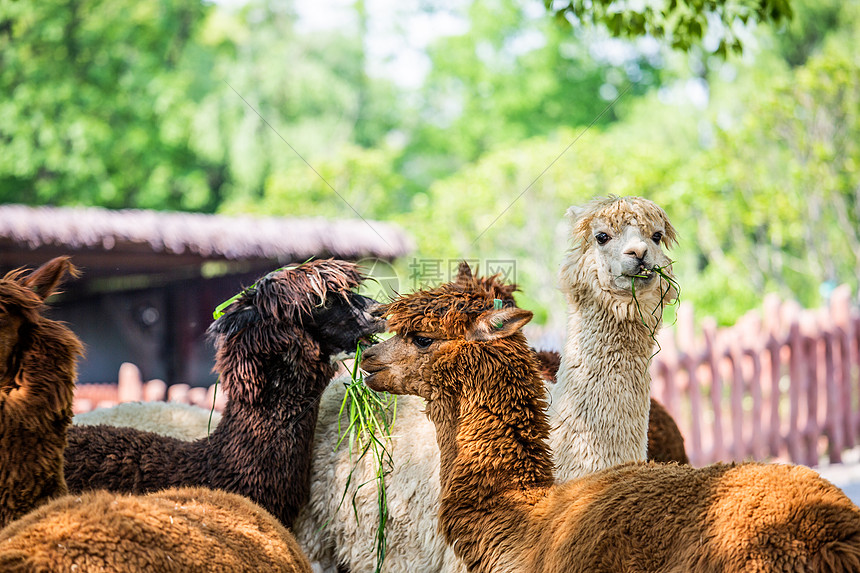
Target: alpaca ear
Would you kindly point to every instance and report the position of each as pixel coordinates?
(45, 280)
(574, 212)
(464, 273)
(495, 324)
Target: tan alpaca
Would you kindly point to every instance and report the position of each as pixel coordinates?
(501, 510)
(600, 404)
(188, 529)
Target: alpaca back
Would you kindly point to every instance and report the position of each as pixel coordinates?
(725, 517)
(186, 529)
(181, 421)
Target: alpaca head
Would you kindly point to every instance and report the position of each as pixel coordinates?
(449, 329)
(22, 298)
(618, 242)
(294, 319)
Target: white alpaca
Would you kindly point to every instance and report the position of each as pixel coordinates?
(184, 422)
(600, 405)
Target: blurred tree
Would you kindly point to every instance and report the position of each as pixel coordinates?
(683, 23)
(275, 96)
(813, 20)
(791, 217)
(512, 75)
(95, 109)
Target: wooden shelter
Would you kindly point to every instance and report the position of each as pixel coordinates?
(151, 279)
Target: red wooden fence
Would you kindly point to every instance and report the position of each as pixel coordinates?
(783, 383)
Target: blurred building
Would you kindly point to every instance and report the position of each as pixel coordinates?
(151, 279)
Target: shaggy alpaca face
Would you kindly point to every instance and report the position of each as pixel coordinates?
(621, 241)
(403, 364)
(345, 321)
(21, 298)
(313, 301)
(408, 363)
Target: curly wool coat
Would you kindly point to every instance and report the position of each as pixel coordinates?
(502, 511)
(175, 530)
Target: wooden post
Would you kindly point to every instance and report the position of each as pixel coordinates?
(833, 425)
(694, 388)
(794, 392)
(710, 331)
(811, 431)
(774, 350)
(130, 384)
(757, 442)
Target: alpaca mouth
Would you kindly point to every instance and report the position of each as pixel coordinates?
(371, 382)
(368, 340)
(642, 275)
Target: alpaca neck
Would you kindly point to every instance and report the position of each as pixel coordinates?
(275, 431)
(601, 401)
(495, 461)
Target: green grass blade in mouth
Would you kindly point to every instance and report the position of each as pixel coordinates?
(671, 284)
(370, 417)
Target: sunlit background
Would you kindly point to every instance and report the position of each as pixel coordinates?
(470, 125)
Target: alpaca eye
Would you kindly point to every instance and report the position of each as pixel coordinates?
(656, 237)
(422, 342)
(602, 238)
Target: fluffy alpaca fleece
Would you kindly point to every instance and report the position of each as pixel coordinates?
(665, 442)
(181, 530)
(273, 352)
(502, 511)
(37, 378)
(182, 421)
(600, 404)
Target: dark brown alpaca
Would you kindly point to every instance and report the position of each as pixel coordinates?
(501, 510)
(274, 347)
(665, 442)
(37, 379)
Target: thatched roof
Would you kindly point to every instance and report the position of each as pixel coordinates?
(147, 241)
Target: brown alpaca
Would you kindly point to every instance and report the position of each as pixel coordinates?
(181, 530)
(665, 442)
(274, 347)
(501, 510)
(37, 380)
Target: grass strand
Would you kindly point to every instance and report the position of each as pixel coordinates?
(370, 416)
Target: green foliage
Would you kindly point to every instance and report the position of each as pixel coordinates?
(186, 105)
(683, 23)
(277, 94)
(356, 180)
(510, 77)
(94, 108)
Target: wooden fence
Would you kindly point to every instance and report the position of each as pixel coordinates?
(783, 383)
(131, 388)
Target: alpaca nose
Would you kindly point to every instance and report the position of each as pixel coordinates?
(636, 249)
